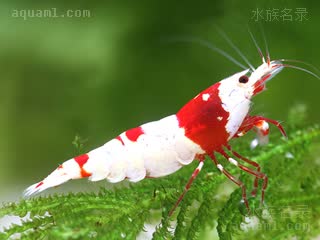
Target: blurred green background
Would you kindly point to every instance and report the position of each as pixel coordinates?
(100, 75)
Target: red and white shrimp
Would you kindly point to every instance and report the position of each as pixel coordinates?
(202, 127)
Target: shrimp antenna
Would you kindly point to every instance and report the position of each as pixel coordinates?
(301, 69)
(256, 44)
(265, 44)
(224, 35)
(209, 46)
(298, 61)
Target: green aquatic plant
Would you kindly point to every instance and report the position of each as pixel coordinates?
(292, 199)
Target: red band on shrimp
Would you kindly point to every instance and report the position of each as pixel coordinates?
(134, 133)
(39, 184)
(120, 139)
(84, 173)
(81, 160)
(260, 84)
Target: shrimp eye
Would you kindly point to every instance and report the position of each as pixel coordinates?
(243, 79)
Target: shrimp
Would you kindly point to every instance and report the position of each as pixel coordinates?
(202, 127)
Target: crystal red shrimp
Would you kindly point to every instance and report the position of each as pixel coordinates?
(202, 127)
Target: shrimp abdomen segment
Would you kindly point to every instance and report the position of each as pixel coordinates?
(154, 149)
